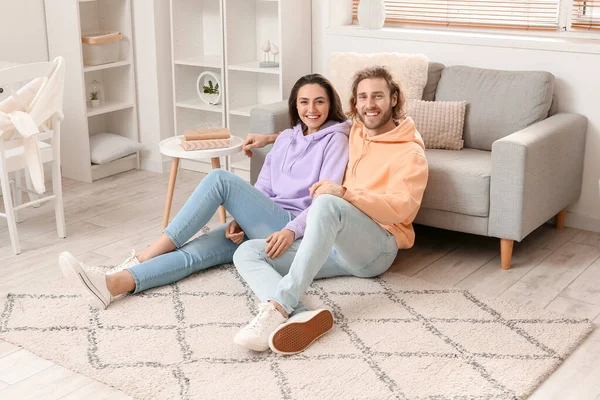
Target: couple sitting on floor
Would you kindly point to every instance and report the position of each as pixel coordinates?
(333, 198)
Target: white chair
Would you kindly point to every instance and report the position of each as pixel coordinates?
(12, 154)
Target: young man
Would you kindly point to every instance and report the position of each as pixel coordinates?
(352, 229)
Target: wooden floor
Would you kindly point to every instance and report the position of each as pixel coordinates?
(554, 269)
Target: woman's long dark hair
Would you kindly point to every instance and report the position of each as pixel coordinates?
(336, 113)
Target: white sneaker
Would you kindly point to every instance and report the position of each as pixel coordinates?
(92, 284)
(300, 331)
(129, 262)
(255, 335)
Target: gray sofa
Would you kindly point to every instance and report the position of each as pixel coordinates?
(522, 162)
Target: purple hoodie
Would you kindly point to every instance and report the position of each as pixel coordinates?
(297, 161)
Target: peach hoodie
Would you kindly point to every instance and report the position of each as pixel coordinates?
(386, 177)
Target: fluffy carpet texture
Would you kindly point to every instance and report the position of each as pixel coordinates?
(395, 337)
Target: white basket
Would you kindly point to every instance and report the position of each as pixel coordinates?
(101, 47)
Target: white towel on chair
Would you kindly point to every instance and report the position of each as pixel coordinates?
(42, 97)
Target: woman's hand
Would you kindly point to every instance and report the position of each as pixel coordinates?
(279, 242)
(234, 232)
(257, 141)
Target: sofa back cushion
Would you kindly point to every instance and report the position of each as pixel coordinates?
(499, 103)
(434, 72)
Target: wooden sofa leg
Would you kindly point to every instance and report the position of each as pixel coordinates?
(560, 218)
(506, 248)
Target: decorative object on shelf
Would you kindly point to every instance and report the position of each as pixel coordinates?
(95, 93)
(101, 47)
(208, 87)
(371, 14)
(267, 47)
(340, 12)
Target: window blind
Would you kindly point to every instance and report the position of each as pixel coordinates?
(586, 15)
(504, 14)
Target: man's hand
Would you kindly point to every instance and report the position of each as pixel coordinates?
(279, 242)
(257, 141)
(234, 232)
(326, 186)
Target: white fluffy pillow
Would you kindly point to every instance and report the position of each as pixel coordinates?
(107, 147)
(440, 123)
(409, 70)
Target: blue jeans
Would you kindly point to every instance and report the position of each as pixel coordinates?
(256, 214)
(339, 240)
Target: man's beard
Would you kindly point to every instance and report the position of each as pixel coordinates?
(383, 119)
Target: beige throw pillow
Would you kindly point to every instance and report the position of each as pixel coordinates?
(440, 123)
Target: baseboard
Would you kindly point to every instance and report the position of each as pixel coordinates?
(584, 222)
(148, 164)
(198, 166)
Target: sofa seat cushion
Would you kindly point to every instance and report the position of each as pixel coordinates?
(459, 181)
(499, 102)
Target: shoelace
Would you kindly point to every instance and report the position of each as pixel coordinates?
(131, 257)
(119, 268)
(262, 310)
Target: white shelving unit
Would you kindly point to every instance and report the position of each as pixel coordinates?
(248, 24)
(196, 46)
(225, 36)
(66, 21)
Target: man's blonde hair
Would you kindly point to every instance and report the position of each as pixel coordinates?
(378, 72)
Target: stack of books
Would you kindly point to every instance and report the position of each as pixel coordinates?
(205, 139)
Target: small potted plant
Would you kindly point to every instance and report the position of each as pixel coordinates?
(212, 92)
(209, 88)
(95, 100)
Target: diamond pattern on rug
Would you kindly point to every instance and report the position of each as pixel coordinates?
(395, 337)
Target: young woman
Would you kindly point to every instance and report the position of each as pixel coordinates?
(275, 208)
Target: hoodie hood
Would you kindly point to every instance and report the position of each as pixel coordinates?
(305, 141)
(404, 132)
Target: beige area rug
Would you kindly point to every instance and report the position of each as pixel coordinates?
(395, 337)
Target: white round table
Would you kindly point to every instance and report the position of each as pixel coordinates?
(171, 147)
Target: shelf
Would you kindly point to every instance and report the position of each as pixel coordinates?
(202, 61)
(89, 1)
(105, 66)
(243, 111)
(109, 106)
(197, 104)
(117, 166)
(252, 66)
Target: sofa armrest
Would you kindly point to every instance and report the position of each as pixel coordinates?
(269, 118)
(536, 172)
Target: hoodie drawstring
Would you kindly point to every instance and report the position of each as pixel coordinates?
(286, 152)
(363, 152)
(297, 158)
(301, 154)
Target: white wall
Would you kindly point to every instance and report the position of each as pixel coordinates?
(577, 91)
(23, 31)
(153, 78)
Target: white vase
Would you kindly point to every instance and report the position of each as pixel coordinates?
(371, 14)
(95, 103)
(340, 12)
